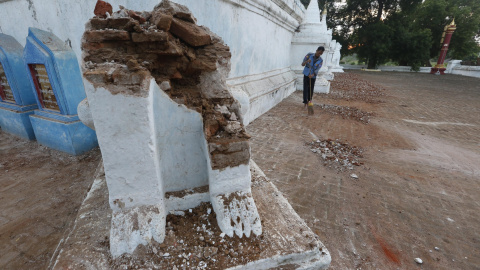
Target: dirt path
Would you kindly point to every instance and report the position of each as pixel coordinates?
(40, 192)
(419, 186)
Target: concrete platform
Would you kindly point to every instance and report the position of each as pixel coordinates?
(286, 240)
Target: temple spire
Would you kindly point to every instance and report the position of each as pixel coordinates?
(313, 12)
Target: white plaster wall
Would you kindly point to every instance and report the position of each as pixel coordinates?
(180, 142)
(258, 32)
(123, 127)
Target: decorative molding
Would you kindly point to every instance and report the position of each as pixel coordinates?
(288, 18)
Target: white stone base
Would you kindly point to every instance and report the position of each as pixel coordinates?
(321, 84)
(136, 226)
(337, 70)
(259, 93)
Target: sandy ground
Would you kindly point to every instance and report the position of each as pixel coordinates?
(418, 191)
(40, 192)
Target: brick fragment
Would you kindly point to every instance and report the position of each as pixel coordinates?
(98, 23)
(222, 160)
(176, 75)
(121, 23)
(160, 37)
(161, 20)
(228, 146)
(96, 76)
(124, 77)
(106, 35)
(177, 10)
(192, 34)
(101, 9)
(137, 17)
(211, 127)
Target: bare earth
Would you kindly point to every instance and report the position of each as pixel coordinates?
(40, 192)
(418, 183)
(418, 191)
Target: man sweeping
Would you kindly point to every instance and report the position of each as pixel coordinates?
(312, 63)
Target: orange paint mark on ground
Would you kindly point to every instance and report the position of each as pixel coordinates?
(391, 255)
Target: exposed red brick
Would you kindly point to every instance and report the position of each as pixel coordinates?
(137, 17)
(176, 75)
(160, 37)
(101, 9)
(161, 20)
(96, 76)
(98, 23)
(104, 35)
(122, 23)
(192, 34)
(177, 10)
(121, 76)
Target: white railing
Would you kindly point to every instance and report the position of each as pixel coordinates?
(453, 67)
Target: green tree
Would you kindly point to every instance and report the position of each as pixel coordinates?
(358, 18)
(435, 14)
(410, 45)
(406, 31)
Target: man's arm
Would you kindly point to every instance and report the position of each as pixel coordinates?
(306, 60)
(317, 69)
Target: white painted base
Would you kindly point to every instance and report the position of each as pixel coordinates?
(238, 215)
(84, 114)
(337, 70)
(259, 93)
(186, 202)
(136, 226)
(321, 84)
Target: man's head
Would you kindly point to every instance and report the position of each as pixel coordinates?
(319, 51)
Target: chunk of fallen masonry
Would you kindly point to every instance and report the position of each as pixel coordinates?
(166, 122)
(101, 9)
(190, 33)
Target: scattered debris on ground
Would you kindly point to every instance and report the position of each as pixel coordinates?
(338, 154)
(193, 241)
(349, 86)
(347, 112)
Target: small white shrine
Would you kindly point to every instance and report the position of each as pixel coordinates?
(311, 34)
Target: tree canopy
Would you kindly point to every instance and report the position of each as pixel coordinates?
(405, 31)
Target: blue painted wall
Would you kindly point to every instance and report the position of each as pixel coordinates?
(74, 137)
(14, 116)
(11, 57)
(62, 67)
(58, 130)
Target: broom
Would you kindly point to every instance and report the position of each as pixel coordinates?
(310, 103)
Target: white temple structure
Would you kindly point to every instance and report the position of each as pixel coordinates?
(312, 33)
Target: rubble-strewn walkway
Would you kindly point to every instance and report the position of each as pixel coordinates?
(418, 190)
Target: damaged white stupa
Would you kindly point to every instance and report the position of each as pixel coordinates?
(169, 130)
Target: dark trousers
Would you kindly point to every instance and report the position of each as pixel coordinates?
(307, 91)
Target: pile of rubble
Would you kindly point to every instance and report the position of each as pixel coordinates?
(347, 112)
(349, 86)
(193, 241)
(190, 63)
(337, 154)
